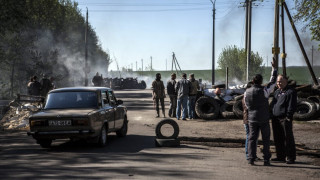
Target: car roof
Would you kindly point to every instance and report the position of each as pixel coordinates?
(72, 89)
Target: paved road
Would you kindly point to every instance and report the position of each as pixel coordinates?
(135, 156)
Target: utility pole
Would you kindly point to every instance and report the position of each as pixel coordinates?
(142, 66)
(312, 55)
(136, 65)
(213, 39)
(249, 7)
(276, 49)
(283, 55)
(86, 71)
(246, 41)
(151, 63)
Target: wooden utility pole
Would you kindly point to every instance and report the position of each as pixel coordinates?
(283, 55)
(213, 39)
(86, 53)
(246, 39)
(312, 55)
(276, 49)
(136, 65)
(249, 9)
(151, 63)
(301, 45)
(142, 66)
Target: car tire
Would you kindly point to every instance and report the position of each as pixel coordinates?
(207, 108)
(103, 136)
(124, 129)
(238, 109)
(45, 143)
(173, 123)
(306, 110)
(226, 110)
(167, 142)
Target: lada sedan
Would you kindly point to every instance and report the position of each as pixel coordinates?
(88, 113)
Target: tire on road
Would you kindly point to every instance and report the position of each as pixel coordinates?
(306, 110)
(167, 142)
(173, 123)
(207, 108)
(226, 110)
(238, 109)
(103, 136)
(124, 129)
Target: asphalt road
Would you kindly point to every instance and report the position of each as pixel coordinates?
(136, 157)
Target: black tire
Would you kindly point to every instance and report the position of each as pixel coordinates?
(306, 110)
(238, 109)
(102, 142)
(316, 100)
(207, 108)
(45, 143)
(167, 142)
(143, 85)
(124, 129)
(240, 97)
(173, 123)
(226, 110)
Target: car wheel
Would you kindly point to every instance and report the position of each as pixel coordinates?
(103, 136)
(45, 143)
(124, 129)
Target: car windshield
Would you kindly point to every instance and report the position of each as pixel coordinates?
(65, 100)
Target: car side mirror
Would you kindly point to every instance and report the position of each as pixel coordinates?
(119, 102)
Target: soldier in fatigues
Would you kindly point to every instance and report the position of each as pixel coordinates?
(158, 93)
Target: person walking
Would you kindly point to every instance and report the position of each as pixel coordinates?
(35, 87)
(284, 105)
(171, 91)
(46, 85)
(183, 88)
(192, 96)
(256, 101)
(158, 94)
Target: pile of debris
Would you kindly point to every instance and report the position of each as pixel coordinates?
(19, 110)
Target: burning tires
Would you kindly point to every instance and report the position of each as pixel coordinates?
(207, 108)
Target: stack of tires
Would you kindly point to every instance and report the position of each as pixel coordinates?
(167, 141)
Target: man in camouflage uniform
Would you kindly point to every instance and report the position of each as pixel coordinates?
(158, 93)
(192, 96)
(171, 91)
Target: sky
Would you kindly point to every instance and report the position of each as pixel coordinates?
(133, 31)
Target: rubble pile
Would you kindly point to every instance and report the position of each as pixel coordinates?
(17, 117)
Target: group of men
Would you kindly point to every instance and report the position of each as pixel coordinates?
(182, 94)
(41, 88)
(257, 115)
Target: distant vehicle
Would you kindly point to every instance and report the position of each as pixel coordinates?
(88, 113)
(125, 83)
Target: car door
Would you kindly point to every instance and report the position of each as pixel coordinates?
(108, 108)
(118, 110)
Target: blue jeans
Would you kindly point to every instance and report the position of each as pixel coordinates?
(246, 128)
(191, 106)
(182, 101)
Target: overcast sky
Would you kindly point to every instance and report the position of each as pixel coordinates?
(132, 30)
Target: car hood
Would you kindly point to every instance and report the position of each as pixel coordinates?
(63, 113)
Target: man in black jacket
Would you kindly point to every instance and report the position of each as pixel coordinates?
(284, 105)
(171, 91)
(256, 101)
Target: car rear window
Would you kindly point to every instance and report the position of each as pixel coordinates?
(64, 100)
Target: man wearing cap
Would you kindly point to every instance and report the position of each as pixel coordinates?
(172, 94)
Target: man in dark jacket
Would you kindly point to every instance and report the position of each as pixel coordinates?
(171, 91)
(183, 88)
(284, 105)
(35, 87)
(256, 101)
(158, 94)
(97, 80)
(46, 85)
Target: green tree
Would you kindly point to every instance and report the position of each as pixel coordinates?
(308, 12)
(236, 60)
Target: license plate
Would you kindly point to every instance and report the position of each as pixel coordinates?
(60, 123)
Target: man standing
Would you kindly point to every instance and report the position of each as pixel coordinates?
(35, 87)
(46, 85)
(97, 80)
(183, 88)
(284, 105)
(171, 91)
(158, 93)
(256, 101)
(192, 96)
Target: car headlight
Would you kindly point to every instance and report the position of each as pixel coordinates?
(37, 122)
